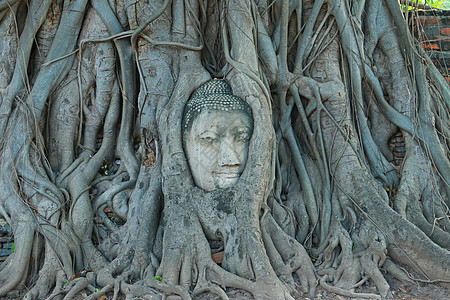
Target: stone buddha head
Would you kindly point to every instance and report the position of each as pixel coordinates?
(216, 128)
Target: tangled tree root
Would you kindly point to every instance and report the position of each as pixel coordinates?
(98, 190)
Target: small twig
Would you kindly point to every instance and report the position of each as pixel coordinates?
(175, 44)
(60, 58)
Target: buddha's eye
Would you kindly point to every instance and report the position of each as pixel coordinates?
(243, 137)
(208, 139)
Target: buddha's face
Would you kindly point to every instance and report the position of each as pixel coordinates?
(216, 146)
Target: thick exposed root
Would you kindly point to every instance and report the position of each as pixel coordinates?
(287, 256)
(15, 271)
(344, 292)
(316, 158)
(78, 285)
(187, 262)
(50, 273)
(346, 260)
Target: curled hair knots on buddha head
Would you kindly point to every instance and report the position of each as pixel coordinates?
(215, 94)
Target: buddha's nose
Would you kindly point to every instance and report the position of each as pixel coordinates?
(228, 155)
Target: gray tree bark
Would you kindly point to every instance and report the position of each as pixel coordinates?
(97, 188)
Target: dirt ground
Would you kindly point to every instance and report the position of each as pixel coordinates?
(400, 290)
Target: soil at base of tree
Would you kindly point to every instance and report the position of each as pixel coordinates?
(411, 290)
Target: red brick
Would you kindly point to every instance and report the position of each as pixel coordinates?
(429, 20)
(445, 31)
(217, 257)
(432, 46)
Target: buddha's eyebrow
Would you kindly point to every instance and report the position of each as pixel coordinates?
(245, 129)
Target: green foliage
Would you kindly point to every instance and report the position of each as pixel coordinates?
(442, 4)
(435, 3)
(445, 4)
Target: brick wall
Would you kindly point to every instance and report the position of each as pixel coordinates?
(432, 28)
(6, 240)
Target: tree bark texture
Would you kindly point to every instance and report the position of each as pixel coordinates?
(348, 166)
